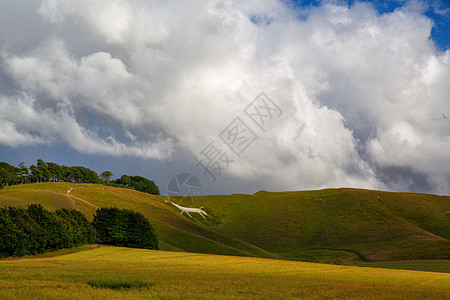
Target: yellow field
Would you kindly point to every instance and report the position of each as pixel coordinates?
(187, 275)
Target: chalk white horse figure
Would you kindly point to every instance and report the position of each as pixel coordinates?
(190, 209)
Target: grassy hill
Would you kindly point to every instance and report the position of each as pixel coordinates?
(332, 225)
(125, 273)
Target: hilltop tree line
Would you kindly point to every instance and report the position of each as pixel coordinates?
(52, 172)
(35, 230)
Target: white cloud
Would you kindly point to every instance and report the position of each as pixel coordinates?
(360, 92)
(24, 123)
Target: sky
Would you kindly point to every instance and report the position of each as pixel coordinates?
(244, 95)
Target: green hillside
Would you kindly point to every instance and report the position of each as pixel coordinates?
(333, 225)
(338, 225)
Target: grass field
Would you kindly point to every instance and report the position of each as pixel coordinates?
(124, 273)
(339, 226)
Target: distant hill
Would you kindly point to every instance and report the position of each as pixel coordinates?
(332, 225)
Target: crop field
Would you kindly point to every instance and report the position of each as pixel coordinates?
(122, 273)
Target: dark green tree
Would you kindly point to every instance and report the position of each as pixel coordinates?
(55, 170)
(35, 230)
(123, 227)
(104, 221)
(106, 176)
(139, 183)
(32, 240)
(84, 175)
(36, 174)
(6, 178)
(10, 235)
(56, 235)
(9, 175)
(125, 180)
(80, 229)
(24, 172)
(67, 174)
(44, 172)
(140, 233)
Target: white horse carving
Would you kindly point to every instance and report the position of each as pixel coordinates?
(190, 209)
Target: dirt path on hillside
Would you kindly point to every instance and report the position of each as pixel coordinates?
(82, 200)
(68, 195)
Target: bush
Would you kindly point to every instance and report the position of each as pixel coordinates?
(122, 227)
(119, 284)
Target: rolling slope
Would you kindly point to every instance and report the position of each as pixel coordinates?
(332, 225)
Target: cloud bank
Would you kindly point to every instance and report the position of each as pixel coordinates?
(365, 97)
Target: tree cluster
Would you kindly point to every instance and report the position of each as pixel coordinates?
(52, 172)
(122, 227)
(137, 183)
(35, 230)
(45, 172)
